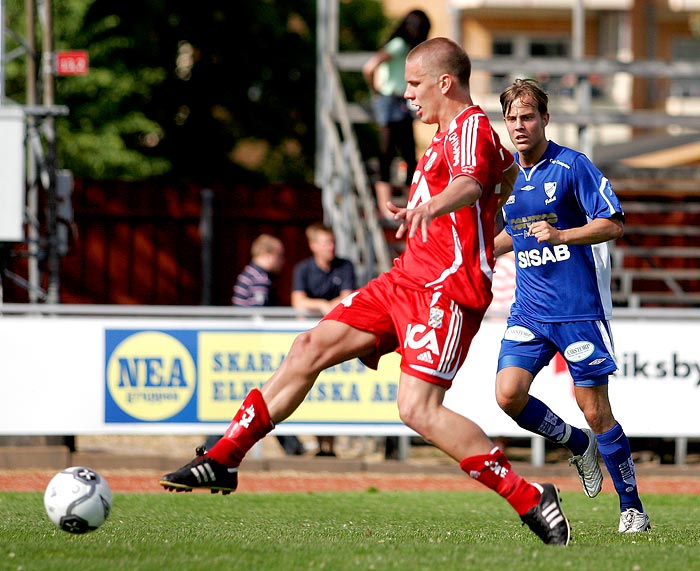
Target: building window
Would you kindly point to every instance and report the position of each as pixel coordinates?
(686, 49)
(524, 47)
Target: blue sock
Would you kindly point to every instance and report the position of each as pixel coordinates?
(537, 417)
(614, 448)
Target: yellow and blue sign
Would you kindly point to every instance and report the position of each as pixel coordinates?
(196, 376)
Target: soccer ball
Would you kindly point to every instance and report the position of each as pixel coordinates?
(78, 500)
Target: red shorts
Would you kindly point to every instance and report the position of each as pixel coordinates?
(429, 330)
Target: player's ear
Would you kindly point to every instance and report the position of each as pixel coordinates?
(445, 81)
(545, 119)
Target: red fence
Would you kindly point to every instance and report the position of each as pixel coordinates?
(140, 243)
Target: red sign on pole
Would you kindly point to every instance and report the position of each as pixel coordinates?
(72, 62)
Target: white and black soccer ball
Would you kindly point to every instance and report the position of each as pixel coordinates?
(78, 500)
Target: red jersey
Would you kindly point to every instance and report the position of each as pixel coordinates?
(457, 259)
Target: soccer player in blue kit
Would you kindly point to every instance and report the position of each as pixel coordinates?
(558, 220)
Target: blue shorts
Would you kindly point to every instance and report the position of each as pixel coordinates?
(586, 345)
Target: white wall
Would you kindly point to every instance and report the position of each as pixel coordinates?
(12, 179)
(92, 375)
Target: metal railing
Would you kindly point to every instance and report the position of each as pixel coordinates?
(228, 312)
(348, 198)
(348, 201)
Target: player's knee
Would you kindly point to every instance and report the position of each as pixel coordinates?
(413, 415)
(510, 398)
(304, 351)
(407, 412)
(599, 418)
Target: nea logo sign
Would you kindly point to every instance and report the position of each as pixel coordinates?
(150, 375)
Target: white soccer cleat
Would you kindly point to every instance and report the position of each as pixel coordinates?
(633, 521)
(587, 466)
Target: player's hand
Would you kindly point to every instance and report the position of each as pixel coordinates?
(412, 220)
(415, 219)
(400, 216)
(544, 232)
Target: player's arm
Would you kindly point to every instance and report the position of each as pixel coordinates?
(371, 66)
(462, 191)
(507, 184)
(302, 301)
(596, 231)
(343, 294)
(502, 243)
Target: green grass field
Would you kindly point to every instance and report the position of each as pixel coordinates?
(406, 531)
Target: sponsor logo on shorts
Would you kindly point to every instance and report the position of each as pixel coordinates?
(426, 356)
(436, 315)
(519, 334)
(579, 351)
(418, 338)
(597, 361)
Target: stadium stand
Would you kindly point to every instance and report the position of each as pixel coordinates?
(657, 262)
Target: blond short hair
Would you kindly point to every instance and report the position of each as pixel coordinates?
(313, 230)
(442, 55)
(265, 244)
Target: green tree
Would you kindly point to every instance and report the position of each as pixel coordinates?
(213, 91)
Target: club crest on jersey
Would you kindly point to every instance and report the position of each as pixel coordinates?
(550, 188)
(436, 315)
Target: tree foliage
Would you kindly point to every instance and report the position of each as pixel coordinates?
(213, 91)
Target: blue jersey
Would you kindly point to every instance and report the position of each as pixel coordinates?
(564, 282)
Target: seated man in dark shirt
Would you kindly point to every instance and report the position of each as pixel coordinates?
(321, 281)
(318, 284)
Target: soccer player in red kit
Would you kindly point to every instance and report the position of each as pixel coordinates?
(428, 307)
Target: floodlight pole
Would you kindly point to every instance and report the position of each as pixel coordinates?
(47, 72)
(40, 148)
(583, 83)
(33, 274)
(2, 52)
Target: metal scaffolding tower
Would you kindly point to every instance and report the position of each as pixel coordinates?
(38, 242)
(347, 195)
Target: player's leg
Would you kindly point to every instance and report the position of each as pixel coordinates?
(327, 344)
(525, 349)
(421, 408)
(614, 448)
(406, 145)
(432, 351)
(383, 188)
(530, 413)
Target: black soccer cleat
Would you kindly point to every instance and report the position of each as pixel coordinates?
(546, 519)
(202, 472)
